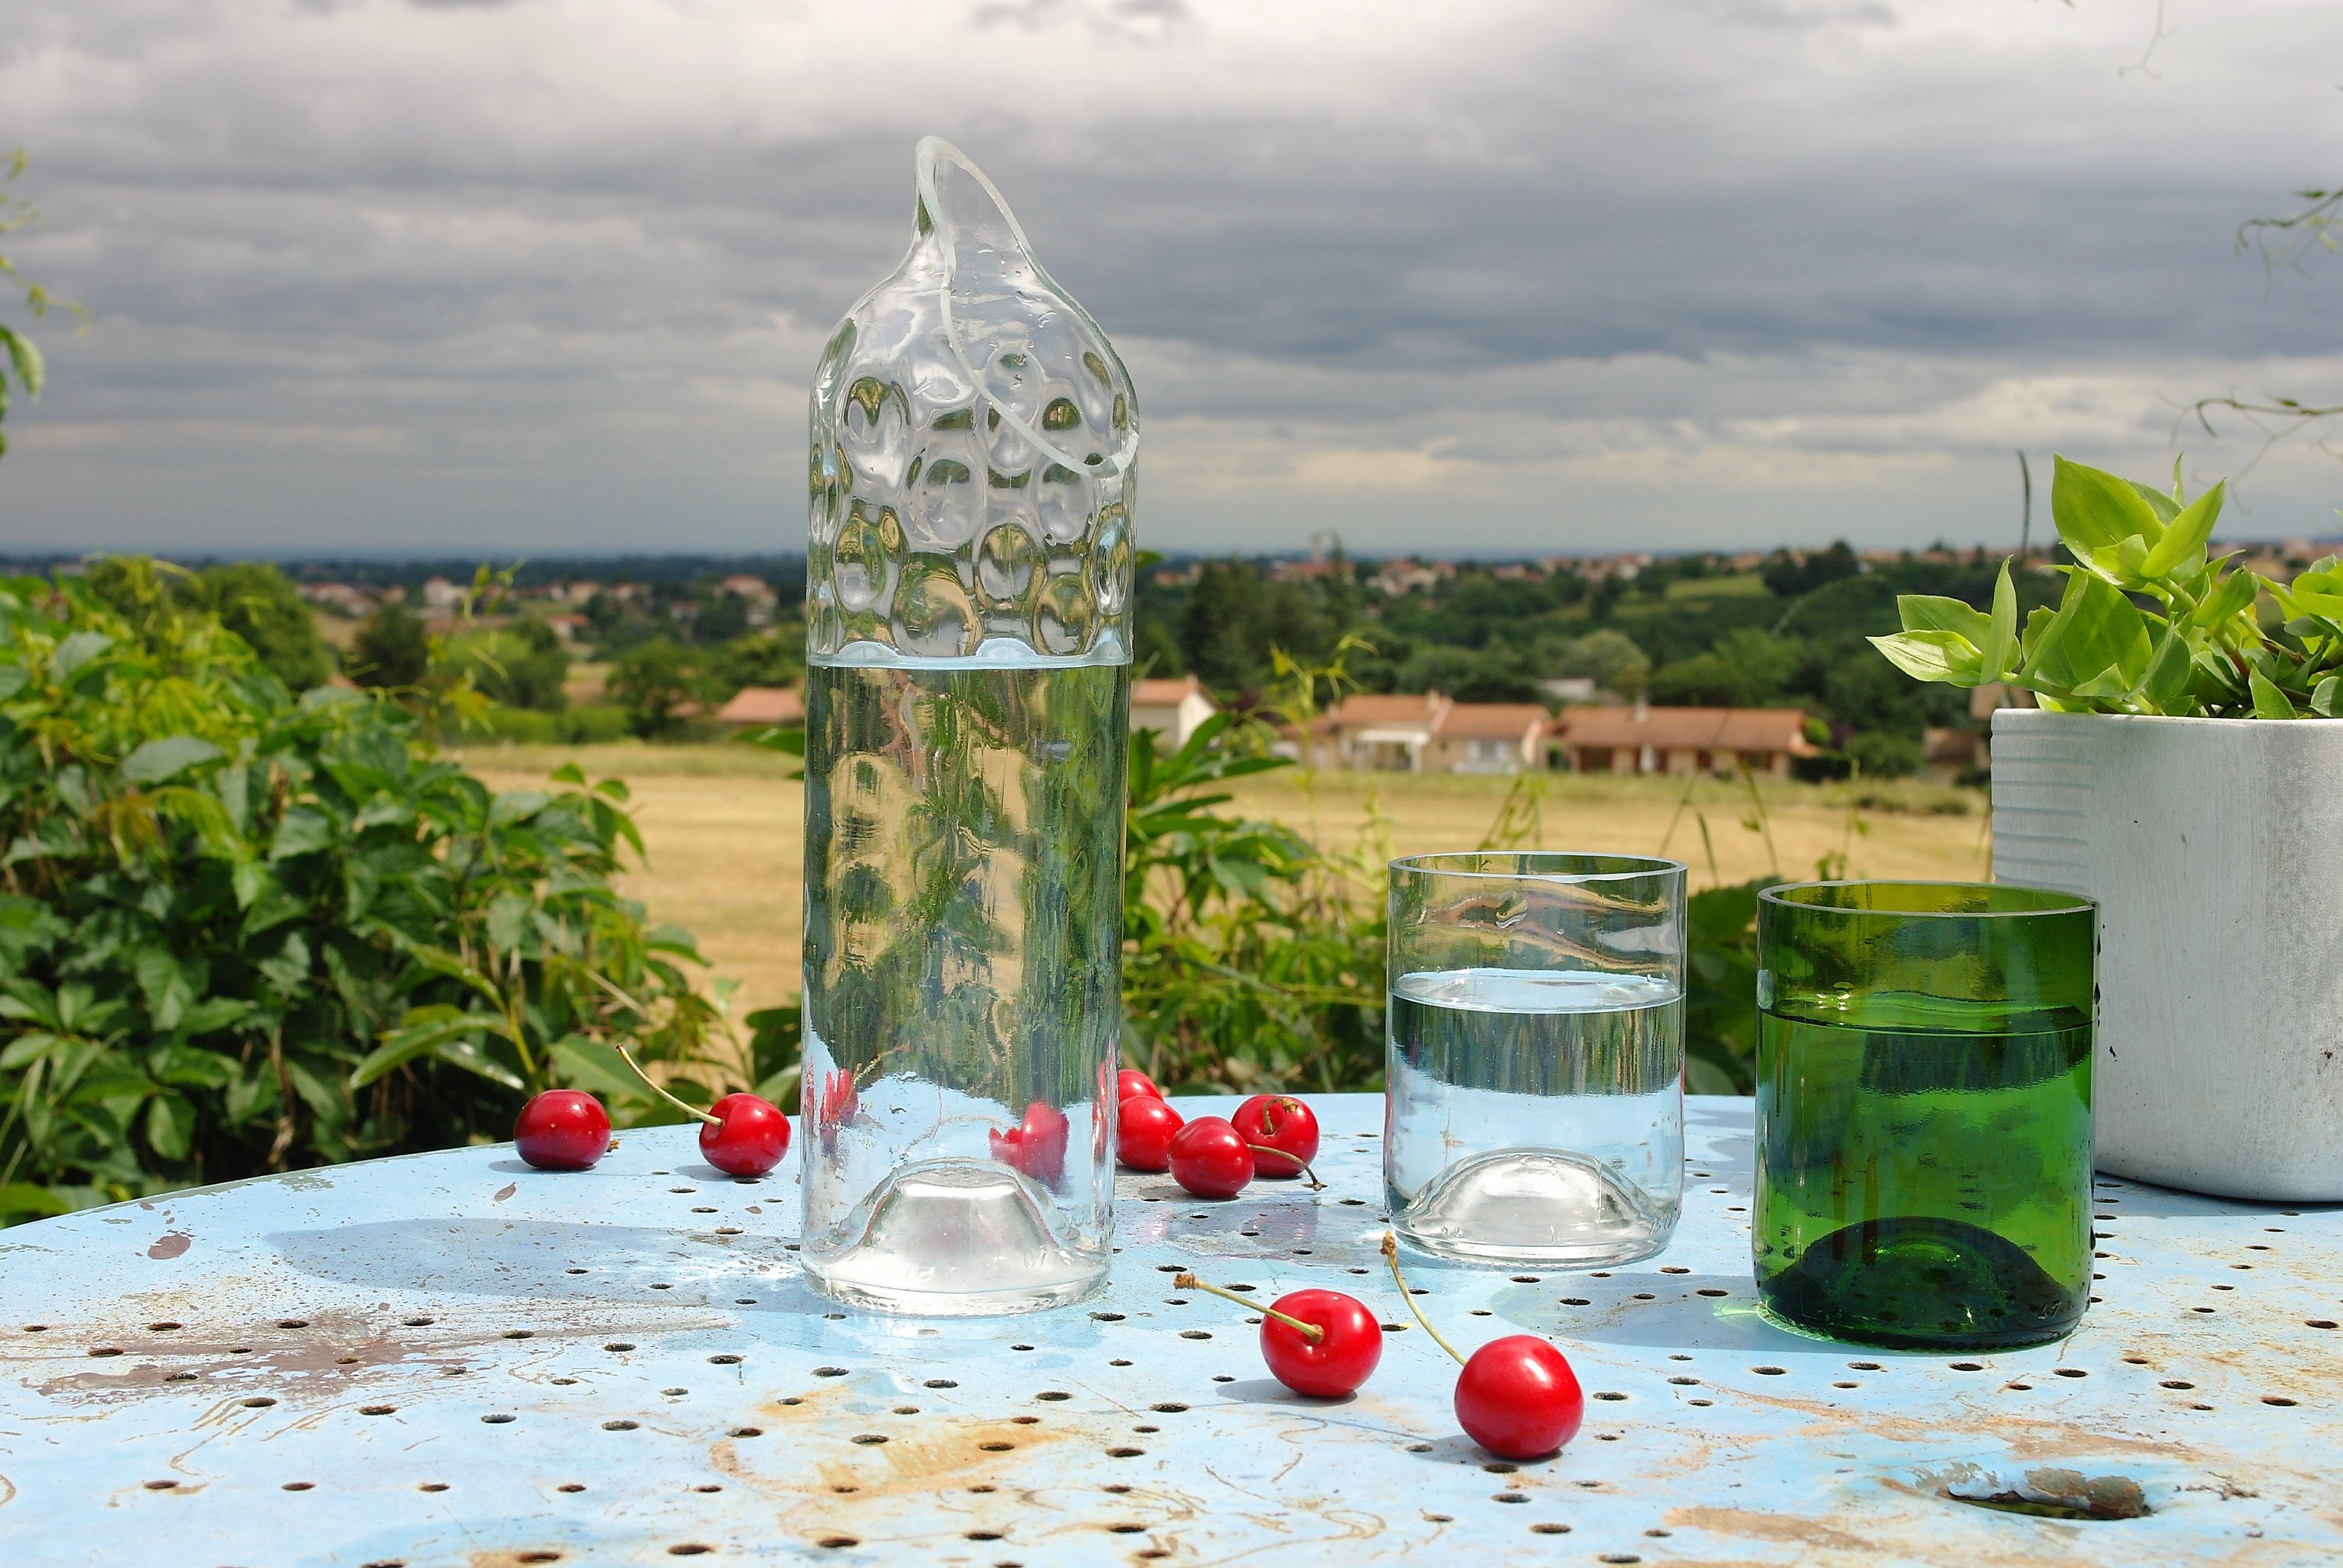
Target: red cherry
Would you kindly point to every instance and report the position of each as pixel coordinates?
(1036, 1146)
(835, 1107)
(1278, 1125)
(1518, 1398)
(562, 1130)
(1130, 1082)
(1144, 1127)
(1210, 1158)
(748, 1138)
(1328, 1367)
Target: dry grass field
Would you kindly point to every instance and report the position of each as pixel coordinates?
(724, 830)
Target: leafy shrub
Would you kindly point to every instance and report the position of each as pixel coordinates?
(519, 666)
(1609, 658)
(391, 649)
(1252, 960)
(242, 932)
(1883, 755)
(656, 683)
(252, 599)
(775, 658)
(594, 726)
(1721, 987)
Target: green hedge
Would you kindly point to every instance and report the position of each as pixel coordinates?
(241, 931)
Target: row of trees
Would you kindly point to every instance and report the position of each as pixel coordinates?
(1679, 633)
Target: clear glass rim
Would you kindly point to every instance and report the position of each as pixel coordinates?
(1424, 866)
(2075, 903)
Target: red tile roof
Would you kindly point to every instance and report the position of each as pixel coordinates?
(1489, 720)
(763, 705)
(1371, 707)
(1164, 693)
(1689, 729)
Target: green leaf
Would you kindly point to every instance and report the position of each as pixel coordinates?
(2235, 596)
(27, 358)
(2326, 697)
(516, 805)
(2165, 507)
(2096, 630)
(77, 651)
(2000, 646)
(596, 1068)
(2094, 511)
(1932, 612)
(170, 1126)
(424, 1032)
(2185, 539)
(2270, 702)
(167, 757)
(165, 983)
(2168, 672)
(27, 1048)
(24, 1197)
(1943, 656)
(304, 830)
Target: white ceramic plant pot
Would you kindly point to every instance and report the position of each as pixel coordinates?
(2215, 848)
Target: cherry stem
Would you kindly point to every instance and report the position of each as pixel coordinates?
(688, 1109)
(1315, 1185)
(1310, 1332)
(1390, 1255)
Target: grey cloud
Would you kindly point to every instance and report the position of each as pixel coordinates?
(466, 260)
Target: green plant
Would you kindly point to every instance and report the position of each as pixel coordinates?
(2196, 647)
(241, 931)
(18, 353)
(253, 599)
(519, 666)
(1248, 960)
(391, 650)
(655, 681)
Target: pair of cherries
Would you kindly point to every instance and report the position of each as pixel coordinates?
(568, 1130)
(1271, 1135)
(1517, 1397)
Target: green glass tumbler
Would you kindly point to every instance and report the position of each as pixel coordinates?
(1924, 1112)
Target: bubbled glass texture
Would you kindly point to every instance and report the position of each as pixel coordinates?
(973, 442)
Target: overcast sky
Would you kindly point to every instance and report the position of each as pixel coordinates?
(1464, 277)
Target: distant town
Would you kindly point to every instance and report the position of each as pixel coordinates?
(1634, 662)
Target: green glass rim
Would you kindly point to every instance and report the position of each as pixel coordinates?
(2016, 902)
(1613, 868)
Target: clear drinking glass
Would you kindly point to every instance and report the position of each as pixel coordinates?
(1535, 1109)
(968, 588)
(1924, 1112)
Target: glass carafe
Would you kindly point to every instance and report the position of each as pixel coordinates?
(967, 714)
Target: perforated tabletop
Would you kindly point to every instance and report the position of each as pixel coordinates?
(454, 1359)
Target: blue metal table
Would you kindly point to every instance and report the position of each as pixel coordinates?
(454, 1359)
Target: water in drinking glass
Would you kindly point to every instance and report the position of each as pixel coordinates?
(1569, 1086)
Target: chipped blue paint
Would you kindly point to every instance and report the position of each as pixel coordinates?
(453, 1359)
